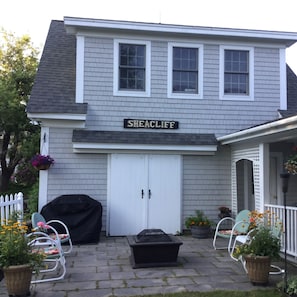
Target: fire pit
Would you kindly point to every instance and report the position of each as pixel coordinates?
(153, 248)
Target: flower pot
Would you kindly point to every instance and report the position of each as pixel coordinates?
(258, 268)
(43, 167)
(200, 231)
(18, 279)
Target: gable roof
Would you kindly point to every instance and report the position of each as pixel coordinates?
(291, 94)
(54, 87)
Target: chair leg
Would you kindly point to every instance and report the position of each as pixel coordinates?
(59, 262)
(69, 249)
(278, 270)
(215, 246)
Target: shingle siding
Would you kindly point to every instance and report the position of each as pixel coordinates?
(211, 72)
(106, 112)
(206, 184)
(81, 173)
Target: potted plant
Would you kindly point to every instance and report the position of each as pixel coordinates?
(42, 162)
(224, 212)
(199, 225)
(262, 246)
(291, 164)
(16, 258)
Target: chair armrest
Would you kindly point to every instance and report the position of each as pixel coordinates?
(224, 220)
(60, 223)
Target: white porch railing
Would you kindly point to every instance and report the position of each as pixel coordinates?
(278, 210)
(10, 204)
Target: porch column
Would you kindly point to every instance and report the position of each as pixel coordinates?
(263, 174)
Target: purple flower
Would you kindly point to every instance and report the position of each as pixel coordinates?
(38, 160)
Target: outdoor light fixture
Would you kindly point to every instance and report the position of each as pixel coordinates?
(285, 183)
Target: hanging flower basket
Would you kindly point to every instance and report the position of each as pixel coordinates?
(43, 167)
(291, 164)
(42, 162)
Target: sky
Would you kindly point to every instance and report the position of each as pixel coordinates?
(33, 17)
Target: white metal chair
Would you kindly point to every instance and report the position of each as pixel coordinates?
(64, 237)
(239, 226)
(54, 264)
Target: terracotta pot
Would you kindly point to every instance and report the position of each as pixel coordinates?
(18, 279)
(200, 231)
(258, 268)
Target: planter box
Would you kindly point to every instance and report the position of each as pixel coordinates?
(153, 248)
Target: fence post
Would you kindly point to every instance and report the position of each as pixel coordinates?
(20, 206)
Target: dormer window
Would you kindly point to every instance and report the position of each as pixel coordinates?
(237, 73)
(131, 68)
(184, 70)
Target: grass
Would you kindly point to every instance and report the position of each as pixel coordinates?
(253, 293)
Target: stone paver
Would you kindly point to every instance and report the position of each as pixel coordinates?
(104, 269)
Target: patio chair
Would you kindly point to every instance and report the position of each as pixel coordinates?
(238, 226)
(54, 264)
(64, 237)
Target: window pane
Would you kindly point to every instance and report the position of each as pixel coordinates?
(236, 61)
(185, 70)
(185, 82)
(132, 79)
(236, 79)
(236, 84)
(132, 67)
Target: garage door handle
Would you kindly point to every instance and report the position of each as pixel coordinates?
(142, 194)
(150, 193)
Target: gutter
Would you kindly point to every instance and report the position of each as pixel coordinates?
(282, 125)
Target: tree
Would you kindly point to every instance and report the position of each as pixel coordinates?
(18, 66)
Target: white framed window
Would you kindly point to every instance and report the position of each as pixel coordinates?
(132, 71)
(185, 70)
(236, 73)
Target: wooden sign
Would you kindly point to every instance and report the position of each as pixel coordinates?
(149, 124)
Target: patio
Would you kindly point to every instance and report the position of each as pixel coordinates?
(104, 269)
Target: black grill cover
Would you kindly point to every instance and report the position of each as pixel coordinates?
(81, 214)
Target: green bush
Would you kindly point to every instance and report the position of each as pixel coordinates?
(32, 202)
(291, 285)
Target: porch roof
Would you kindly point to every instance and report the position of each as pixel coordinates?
(279, 130)
(88, 140)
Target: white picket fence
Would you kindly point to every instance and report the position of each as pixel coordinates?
(9, 205)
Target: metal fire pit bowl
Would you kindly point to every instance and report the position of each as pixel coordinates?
(153, 248)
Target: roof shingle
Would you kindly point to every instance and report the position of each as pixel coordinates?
(124, 137)
(54, 87)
